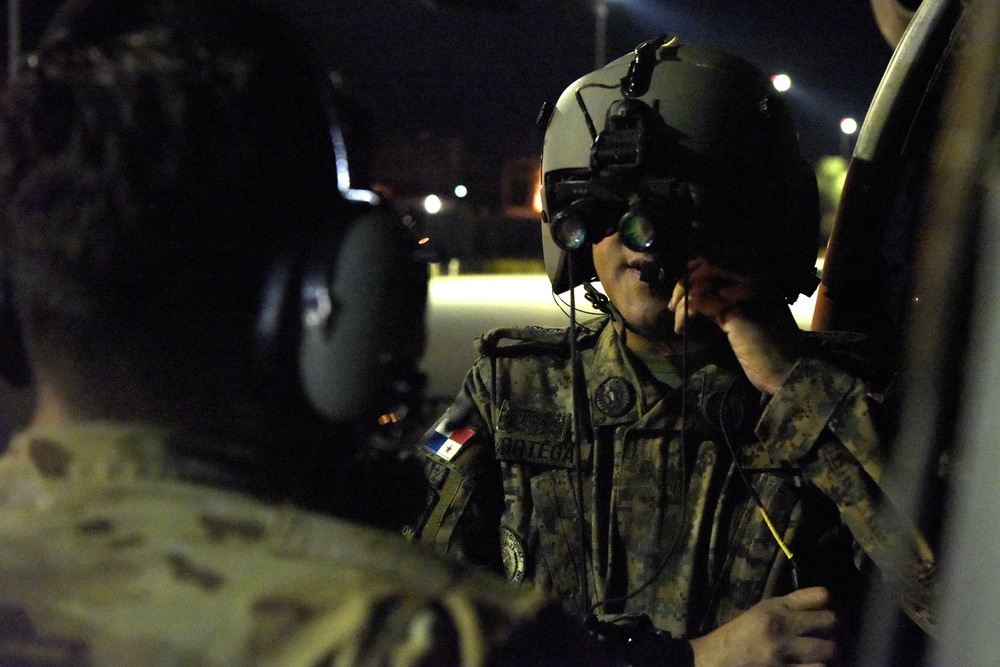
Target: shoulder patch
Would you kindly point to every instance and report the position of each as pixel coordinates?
(446, 444)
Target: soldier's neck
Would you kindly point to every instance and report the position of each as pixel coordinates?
(49, 408)
(698, 339)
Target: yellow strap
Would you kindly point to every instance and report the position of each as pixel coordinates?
(774, 533)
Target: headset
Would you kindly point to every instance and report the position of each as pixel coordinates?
(344, 311)
(684, 151)
(340, 320)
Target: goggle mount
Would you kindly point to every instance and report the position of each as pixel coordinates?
(627, 189)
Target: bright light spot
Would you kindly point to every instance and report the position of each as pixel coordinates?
(848, 126)
(388, 418)
(423, 240)
(536, 200)
(803, 308)
(781, 82)
(461, 191)
(473, 291)
(432, 204)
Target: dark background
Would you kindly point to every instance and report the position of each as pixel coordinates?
(451, 93)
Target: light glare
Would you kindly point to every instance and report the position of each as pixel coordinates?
(461, 191)
(432, 204)
(781, 82)
(848, 126)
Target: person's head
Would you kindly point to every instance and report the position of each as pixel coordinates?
(667, 154)
(175, 228)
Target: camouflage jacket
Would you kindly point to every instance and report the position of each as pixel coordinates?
(108, 558)
(645, 511)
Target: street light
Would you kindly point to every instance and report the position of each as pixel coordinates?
(848, 126)
(600, 32)
(432, 204)
(781, 82)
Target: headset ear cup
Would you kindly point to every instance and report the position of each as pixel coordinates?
(13, 359)
(361, 317)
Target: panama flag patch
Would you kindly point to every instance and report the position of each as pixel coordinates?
(447, 443)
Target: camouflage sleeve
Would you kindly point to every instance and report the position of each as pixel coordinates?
(465, 498)
(822, 420)
(818, 397)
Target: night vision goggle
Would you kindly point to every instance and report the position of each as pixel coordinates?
(640, 184)
(650, 216)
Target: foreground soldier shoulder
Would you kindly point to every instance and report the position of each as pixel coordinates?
(97, 535)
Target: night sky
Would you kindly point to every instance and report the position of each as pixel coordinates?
(479, 76)
(483, 75)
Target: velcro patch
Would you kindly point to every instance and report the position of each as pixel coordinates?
(529, 421)
(533, 436)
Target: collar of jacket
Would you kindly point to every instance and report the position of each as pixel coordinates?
(610, 362)
(611, 367)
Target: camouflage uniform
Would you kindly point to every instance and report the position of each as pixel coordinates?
(107, 557)
(649, 503)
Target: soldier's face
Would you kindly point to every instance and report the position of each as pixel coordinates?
(643, 305)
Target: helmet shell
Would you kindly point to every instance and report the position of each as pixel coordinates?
(728, 122)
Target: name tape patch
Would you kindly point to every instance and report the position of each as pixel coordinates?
(545, 452)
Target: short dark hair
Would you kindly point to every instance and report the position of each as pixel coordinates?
(157, 155)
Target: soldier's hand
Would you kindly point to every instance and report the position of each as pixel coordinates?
(754, 316)
(795, 629)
